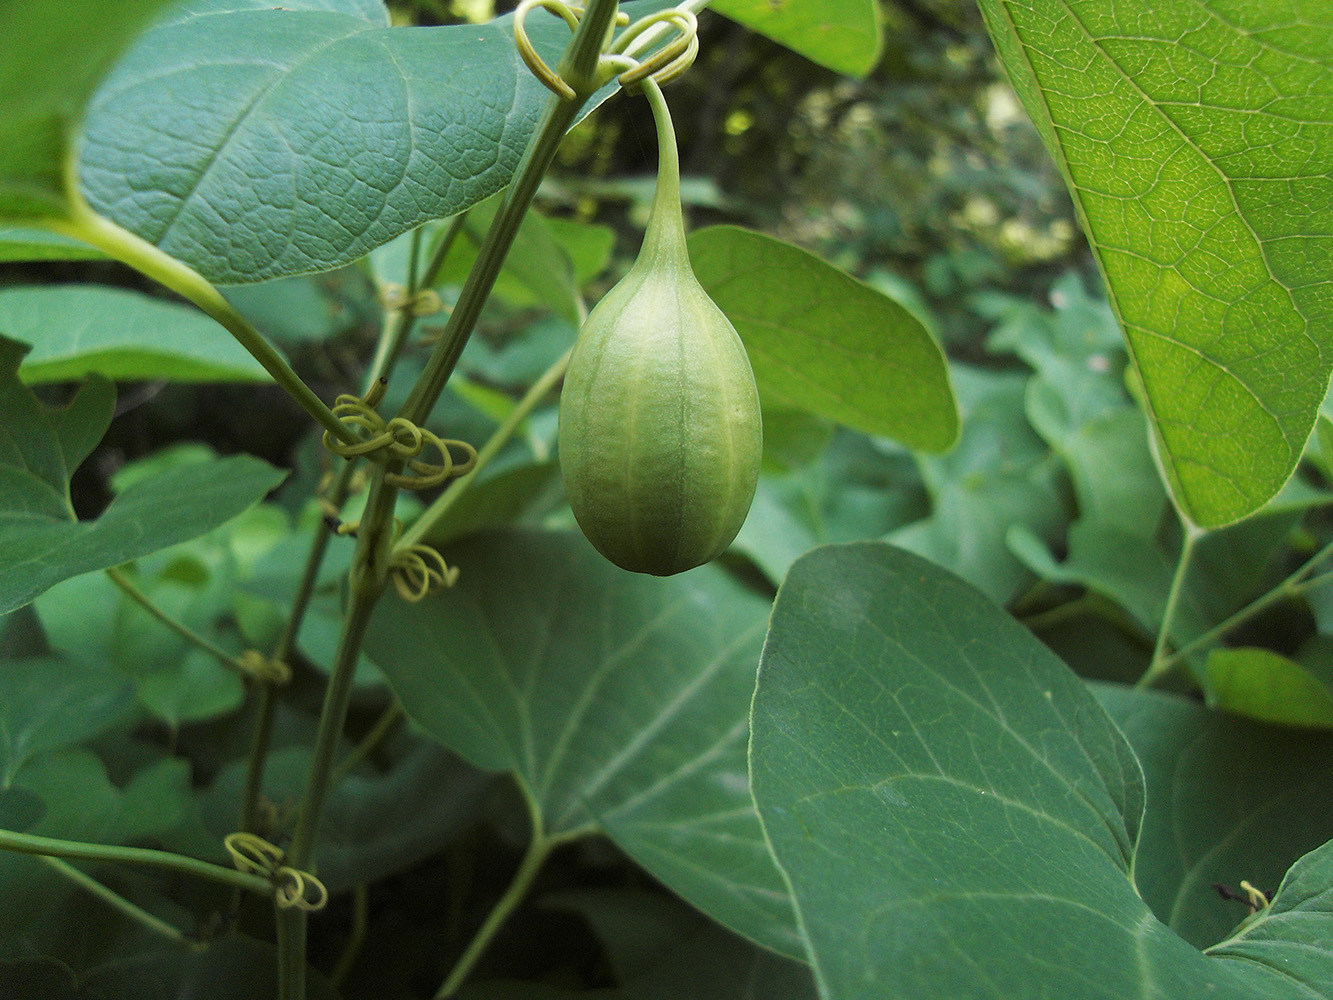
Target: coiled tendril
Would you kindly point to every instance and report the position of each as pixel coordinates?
(419, 569)
(664, 65)
(396, 440)
(291, 888)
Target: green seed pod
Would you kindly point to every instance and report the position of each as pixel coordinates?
(660, 436)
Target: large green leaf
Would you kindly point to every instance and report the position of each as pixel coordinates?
(1228, 800)
(41, 542)
(618, 700)
(49, 703)
(843, 35)
(52, 55)
(821, 340)
(259, 140)
(78, 330)
(1197, 140)
(957, 816)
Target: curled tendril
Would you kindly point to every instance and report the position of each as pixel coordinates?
(668, 62)
(549, 78)
(263, 668)
(419, 569)
(426, 474)
(292, 889)
(253, 854)
(426, 302)
(664, 65)
(397, 440)
(1257, 900)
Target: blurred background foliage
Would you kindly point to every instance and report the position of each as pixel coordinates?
(926, 181)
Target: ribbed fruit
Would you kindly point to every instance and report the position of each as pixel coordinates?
(660, 436)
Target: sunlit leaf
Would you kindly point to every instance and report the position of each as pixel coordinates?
(843, 35)
(820, 340)
(1198, 144)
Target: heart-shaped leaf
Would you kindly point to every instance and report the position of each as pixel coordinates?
(822, 341)
(1198, 145)
(942, 793)
(1229, 800)
(618, 701)
(255, 140)
(42, 541)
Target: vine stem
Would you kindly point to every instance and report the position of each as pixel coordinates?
(539, 849)
(27, 843)
(1290, 587)
(433, 514)
(118, 902)
(1161, 661)
(84, 224)
(374, 538)
(383, 726)
(579, 67)
(395, 330)
(128, 587)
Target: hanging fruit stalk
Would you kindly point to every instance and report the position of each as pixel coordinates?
(660, 435)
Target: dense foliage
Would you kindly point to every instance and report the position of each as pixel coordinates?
(1017, 680)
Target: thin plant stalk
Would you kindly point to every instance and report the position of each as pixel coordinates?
(539, 849)
(121, 579)
(1161, 661)
(1292, 586)
(382, 728)
(436, 511)
(118, 902)
(122, 245)
(357, 938)
(374, 539)
(395, 331)
(27, 843)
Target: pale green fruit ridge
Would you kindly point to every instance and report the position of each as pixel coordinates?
(660, 436)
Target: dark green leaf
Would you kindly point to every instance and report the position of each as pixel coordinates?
(41, 542)
(82, 804)
(618, 700)
(376, 824)
(1228, 800)
(943, 794)
(999, 475)
(51, 703)
(520, 495)
(78, 330)
(256, 140)
(822, 341)
(855, 490)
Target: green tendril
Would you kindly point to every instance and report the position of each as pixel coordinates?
(663, 66)
(398, 441)
(292, 889)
